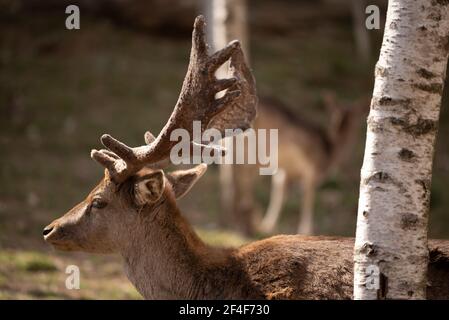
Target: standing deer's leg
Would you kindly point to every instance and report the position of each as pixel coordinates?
(306, 218)
(276, 200)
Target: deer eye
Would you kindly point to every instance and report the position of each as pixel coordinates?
(98, 204)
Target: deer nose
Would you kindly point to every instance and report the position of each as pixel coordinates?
(47, 230)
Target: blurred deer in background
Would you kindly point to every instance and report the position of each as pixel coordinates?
(133, 211)
(307, 154)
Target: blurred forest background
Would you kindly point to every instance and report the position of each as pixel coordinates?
(121, 74)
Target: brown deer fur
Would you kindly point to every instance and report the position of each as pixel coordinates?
(165, 259)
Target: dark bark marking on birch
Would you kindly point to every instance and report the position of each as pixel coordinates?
(406, 155)
(368, 249)
(424, 73)
(436, 88)
(422, 28)
(384, 178)
(425, 184)
(444, 44)
(380, 177)
(398, 121)
(436, 16)
(409, 221)
(421, 127)
(389, 101)
(385, 101)
(441, 2)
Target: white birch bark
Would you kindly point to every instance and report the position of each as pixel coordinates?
(396, 174)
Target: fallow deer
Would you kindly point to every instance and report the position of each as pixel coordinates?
(133, 212)
(307, 153)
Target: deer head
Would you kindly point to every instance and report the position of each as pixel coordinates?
(103, 221)
(343, 118)
(134, 181)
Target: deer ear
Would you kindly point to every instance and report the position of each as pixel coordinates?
(183, 180)
(149, 188)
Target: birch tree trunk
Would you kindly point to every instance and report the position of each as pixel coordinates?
(227, 21)
(391, 235)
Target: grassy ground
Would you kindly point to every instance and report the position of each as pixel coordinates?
(60, 90)
(42, 275)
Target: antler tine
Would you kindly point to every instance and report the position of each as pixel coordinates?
(104, 158)
(199, 45)
(221, 56)
(119, 148)
(196, 102)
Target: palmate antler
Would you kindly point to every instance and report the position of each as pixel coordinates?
(197, 102)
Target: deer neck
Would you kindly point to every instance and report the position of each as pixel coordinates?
(164, 255)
